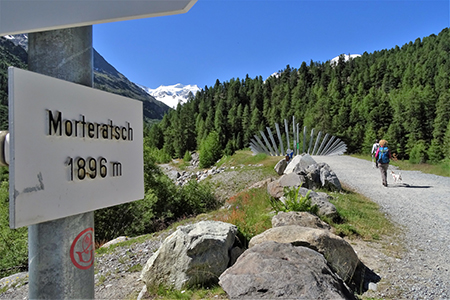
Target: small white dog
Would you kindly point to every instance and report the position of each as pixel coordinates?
(397, 177)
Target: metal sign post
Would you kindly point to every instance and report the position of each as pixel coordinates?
(61, 252)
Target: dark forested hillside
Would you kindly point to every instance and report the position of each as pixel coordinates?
(10, 55)
(106, 78)
(401, 94)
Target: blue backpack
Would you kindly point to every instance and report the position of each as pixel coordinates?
(383, 155)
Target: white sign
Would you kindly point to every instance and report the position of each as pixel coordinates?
(73, 149)
(23, 16)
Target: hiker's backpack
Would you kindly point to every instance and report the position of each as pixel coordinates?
(383, 155)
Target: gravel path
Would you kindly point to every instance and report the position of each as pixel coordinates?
(420, 205)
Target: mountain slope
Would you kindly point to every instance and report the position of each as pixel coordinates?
(106, 77)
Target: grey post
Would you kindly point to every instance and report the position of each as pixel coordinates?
(273, 141)
(280, 139)
(304, 139)
(286, 127)
(261, 144)
(272, 152)
(317, 143)
(293, 132)
(311, 140)
(322, 144)
(65, 54)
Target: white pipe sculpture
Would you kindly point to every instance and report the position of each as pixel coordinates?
(333, 146)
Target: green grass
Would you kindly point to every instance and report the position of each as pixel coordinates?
(250, 211)
(360, 217)
(135, 268)
(246, 157)
(441, 169)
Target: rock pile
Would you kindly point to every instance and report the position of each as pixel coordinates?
(181, 178)
(299, 257)
(184, 177)
(308, 173)
(305, 173)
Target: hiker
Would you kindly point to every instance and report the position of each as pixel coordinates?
(382, 156)
(374, 150)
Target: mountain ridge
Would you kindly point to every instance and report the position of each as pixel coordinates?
(13, 52)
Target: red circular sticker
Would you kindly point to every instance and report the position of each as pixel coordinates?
(82, 249)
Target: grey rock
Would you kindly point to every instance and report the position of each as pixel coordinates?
(304, 219)
(322, 200)
(328, 178)
(312, 176)
(339, 254)
(173, 175)
(290, 180)
(299, 162)
(273, 270)
(115, 241)
(281, 166)
(193, 254)
(275, 189)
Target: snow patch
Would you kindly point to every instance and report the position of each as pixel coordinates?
(346, 58)
(171, 95)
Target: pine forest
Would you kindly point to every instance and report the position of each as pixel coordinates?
(401, 95)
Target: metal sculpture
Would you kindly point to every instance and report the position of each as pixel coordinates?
(326, 146)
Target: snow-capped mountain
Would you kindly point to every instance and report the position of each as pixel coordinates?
(346, 58)
(171, 95)
(19, 40)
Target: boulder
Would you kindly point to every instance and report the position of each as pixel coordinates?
(299, 162)
(193, 254)
(275, 189)
(310, 176)
(304, 219)
(272, 270)
(281, 166)
(339, 254)
(326, 208)
(291, 180)
(173, 174)
(115, 241)
(260, 184)
(322, 200)
(328, 178)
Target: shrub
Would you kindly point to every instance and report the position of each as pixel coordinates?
(163, 203)
(13, 242)
(160, 156)
(187, 156)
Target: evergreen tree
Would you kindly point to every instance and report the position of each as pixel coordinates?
(210, 150)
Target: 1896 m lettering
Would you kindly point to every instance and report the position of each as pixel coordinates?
(80, 168)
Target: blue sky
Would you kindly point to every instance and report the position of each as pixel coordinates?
(219, 39)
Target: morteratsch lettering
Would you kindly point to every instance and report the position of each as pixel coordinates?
(81, 128)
